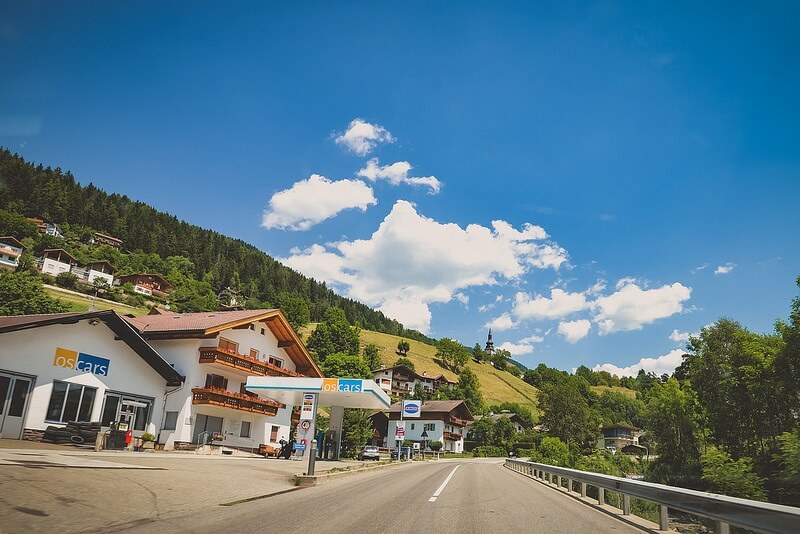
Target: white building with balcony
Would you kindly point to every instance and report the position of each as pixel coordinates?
(10, 251)
(443, 421)
(217, 352)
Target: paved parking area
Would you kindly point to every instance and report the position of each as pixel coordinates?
(49, 487)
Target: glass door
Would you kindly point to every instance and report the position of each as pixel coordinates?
(14, 392)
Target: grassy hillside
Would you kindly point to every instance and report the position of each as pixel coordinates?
(496, 386)
(81, 303)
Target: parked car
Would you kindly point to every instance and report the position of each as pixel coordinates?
(369, 452)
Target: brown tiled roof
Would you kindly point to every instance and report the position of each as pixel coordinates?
(11, 240)
(171, 325)
(194, 322)
(432, 406)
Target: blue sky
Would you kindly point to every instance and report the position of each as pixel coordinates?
(594, 180)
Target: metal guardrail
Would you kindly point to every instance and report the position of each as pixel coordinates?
(725, 511)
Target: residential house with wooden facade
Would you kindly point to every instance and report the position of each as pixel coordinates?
(444, 421)
(146, 284)
(217, 352)
(400, 380)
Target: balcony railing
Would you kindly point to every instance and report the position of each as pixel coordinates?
(457, 421)
(295, 415)
(235, 401)
(452, 436)
(249, 365)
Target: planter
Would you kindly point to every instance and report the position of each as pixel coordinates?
(148, 445)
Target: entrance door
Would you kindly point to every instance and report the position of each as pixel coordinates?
(204, 426)
(14, 391)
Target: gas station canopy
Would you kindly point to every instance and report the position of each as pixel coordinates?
(345, 392)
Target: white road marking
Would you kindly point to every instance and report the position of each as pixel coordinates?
(441, 488)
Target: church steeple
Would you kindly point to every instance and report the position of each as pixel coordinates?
(489, 344)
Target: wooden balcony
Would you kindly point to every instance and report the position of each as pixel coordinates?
(235, 401)
(457, 421)
(295, 415)
(451, 436)
(242, 363)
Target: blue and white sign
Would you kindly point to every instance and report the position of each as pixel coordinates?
(412, 408)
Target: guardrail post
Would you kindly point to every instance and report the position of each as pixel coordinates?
(583, 489)
(626, 504)
(558, 481)
(663, 520)
(601, 496)
(569, 485)
(722, 527)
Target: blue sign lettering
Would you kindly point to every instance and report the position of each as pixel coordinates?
(92, 364)
(350, 384)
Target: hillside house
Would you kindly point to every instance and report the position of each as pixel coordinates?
(102, 270)
(444, 421)
(55, 261)
(615, 437)
(400, 380)
(103, 239)
(217, 352)
(45, 227)
(10, 251)
(93, 366)
(146, 284)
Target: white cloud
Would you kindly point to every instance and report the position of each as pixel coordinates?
(574, 331)
(462, 298)
(517, 349)
(362, 137)
(632, 307)
(679, 336)
(658, 365)
(503, 322)
(397, 173)
(531, 339)
(725, 269)
(560, 304)
(411, 261)
(700, 268)
(311, 201)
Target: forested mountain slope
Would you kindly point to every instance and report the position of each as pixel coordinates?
(56, 196)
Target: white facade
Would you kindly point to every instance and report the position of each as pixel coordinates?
(435, 428)
(54, 267)
(73, 370)
(9, 255)
(239, 428)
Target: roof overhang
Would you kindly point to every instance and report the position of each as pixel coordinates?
(346, 392)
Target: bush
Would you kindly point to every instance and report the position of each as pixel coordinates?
(67, 280)
(436, 445)
(489, 451)
(147, 436)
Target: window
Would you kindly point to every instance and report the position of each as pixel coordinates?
(430, 426)
(170, 420)
(216, 381)
(245, 433)
(227, 344)
(276, 361)
(70, 402)
(254, 353)
(243, 390)
(412, 426)
(262, 331)
(273, 435)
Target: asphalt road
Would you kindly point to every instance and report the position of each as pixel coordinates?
(463, 496)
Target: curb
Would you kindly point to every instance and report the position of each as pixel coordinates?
(314, 480)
